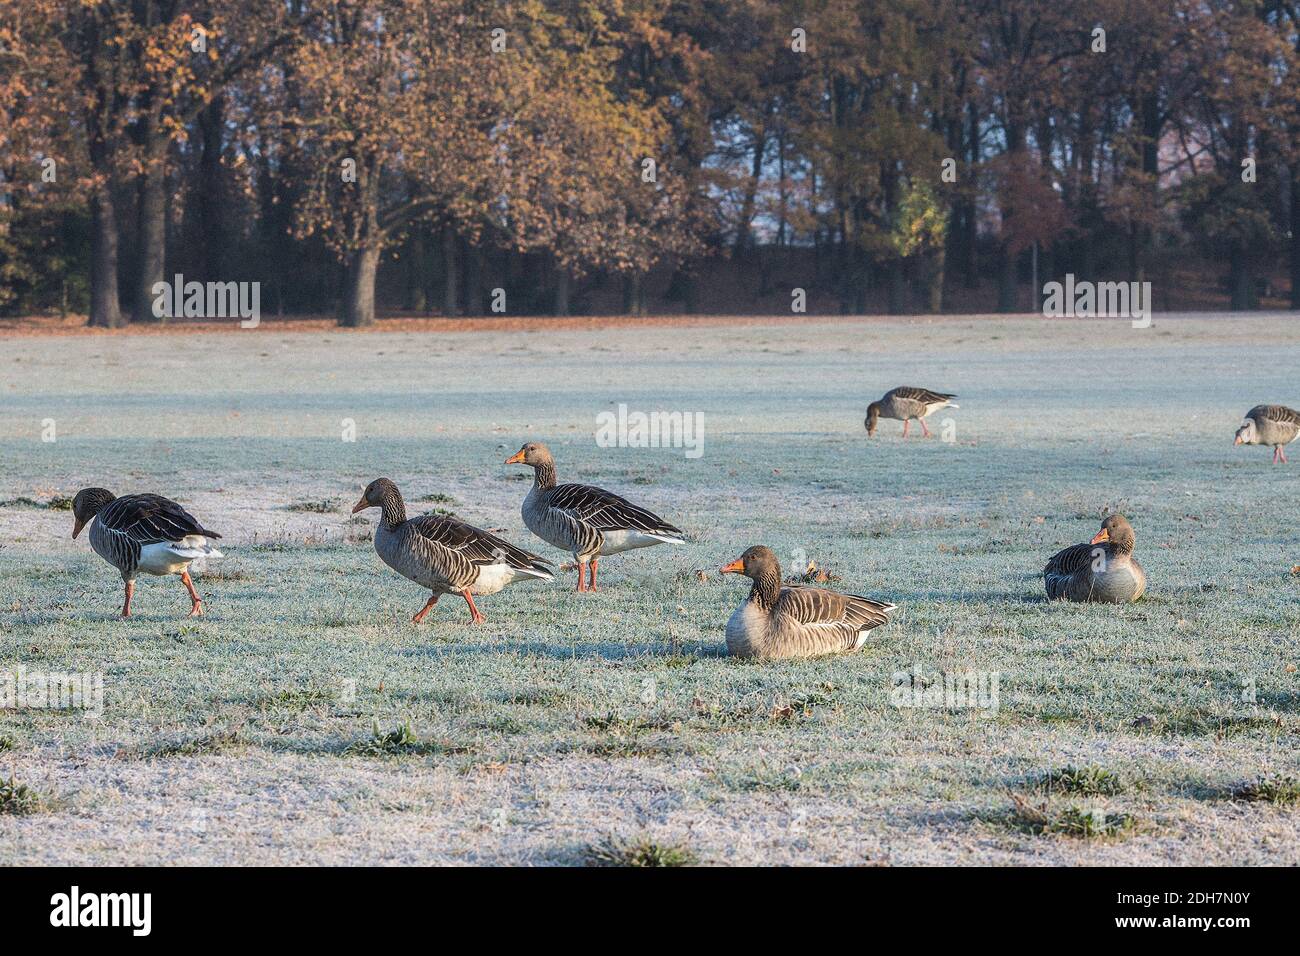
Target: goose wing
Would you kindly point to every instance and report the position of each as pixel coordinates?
(150, 519)
(923, 395)
(1278, 414)
(846, 615)
(1072, 560)
(605, 511)
(474, 545)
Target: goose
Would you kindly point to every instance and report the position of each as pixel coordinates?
(1274, 425)
(1103, 570)
(589, 522)
(778, 621)
(143, 533)
(444, 554)
(905, 403)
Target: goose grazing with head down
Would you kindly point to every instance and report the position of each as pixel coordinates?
(445, 554)
(1103, 570)
(778, 620)
(589, 522)
(906, 403)
(1274, 425)
(146, 534)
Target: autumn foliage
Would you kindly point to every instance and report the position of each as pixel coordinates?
(421, 154)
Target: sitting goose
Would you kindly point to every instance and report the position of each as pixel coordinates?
(590, 522)
(445, 554)
(778, 621)
(146, 533)
(1274, 425)
(905, 403)
(1104, 570)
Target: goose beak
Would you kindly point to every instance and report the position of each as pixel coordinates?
(735, 567)
(516, 459)
(1101, 537)
(361, 505)
(77, 525)
(1237, 440)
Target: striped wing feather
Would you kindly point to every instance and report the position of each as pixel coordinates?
(1275, 413)
(474, 545)
(923, 395)
(1072, 560)
(606, 511)
(817, 607)
(150, 519)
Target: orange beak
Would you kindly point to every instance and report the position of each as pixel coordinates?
(77, 525)
(361, 505)
(1101, 537)
(516, 459)
(735, 567)
(1237, 440)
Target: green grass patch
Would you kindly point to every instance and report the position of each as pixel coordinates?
(638, 852)
(1086, 822)
(401, 741)
(1088, 781)
(18, 799)
(216, 742)
(1281, 790)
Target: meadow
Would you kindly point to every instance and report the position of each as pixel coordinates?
(306, 720)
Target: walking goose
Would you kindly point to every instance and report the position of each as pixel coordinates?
(1103, 570)
(1274, 425)
(445, 554)
(143, 533)
(778, 621)
(589, 522)
(906, 403)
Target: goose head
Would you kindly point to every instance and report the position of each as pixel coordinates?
(534, 453)
(375, 494)
(873, 418)
(86, 505)
(758, 561)
(1247, 434)
(1116, 531)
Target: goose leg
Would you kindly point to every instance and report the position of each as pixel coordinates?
(197, 609)
(594, 562)
(582, 576)
(126, 607)
(1281, 454)
(475, 616)
(420, 614)
(923, 428)
(906, 422)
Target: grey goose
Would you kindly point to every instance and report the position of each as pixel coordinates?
(906, 403)
(1103, 570)
(443, 553)
(146, 534)
(1274, 425)
(585, 521)
(783, 620)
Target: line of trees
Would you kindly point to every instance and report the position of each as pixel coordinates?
(905, 148)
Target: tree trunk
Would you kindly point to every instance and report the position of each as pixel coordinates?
(633, 303)
(1240, 280)
(359, 291)
(1007, 291)
(152, 234)
(934, 281)
(105, 310)
(450, 272)
(897, 288)
(562, 282)
(212, 204)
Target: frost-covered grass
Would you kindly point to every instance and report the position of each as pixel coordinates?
(306, 720)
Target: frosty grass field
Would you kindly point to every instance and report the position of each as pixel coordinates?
(577, 728)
